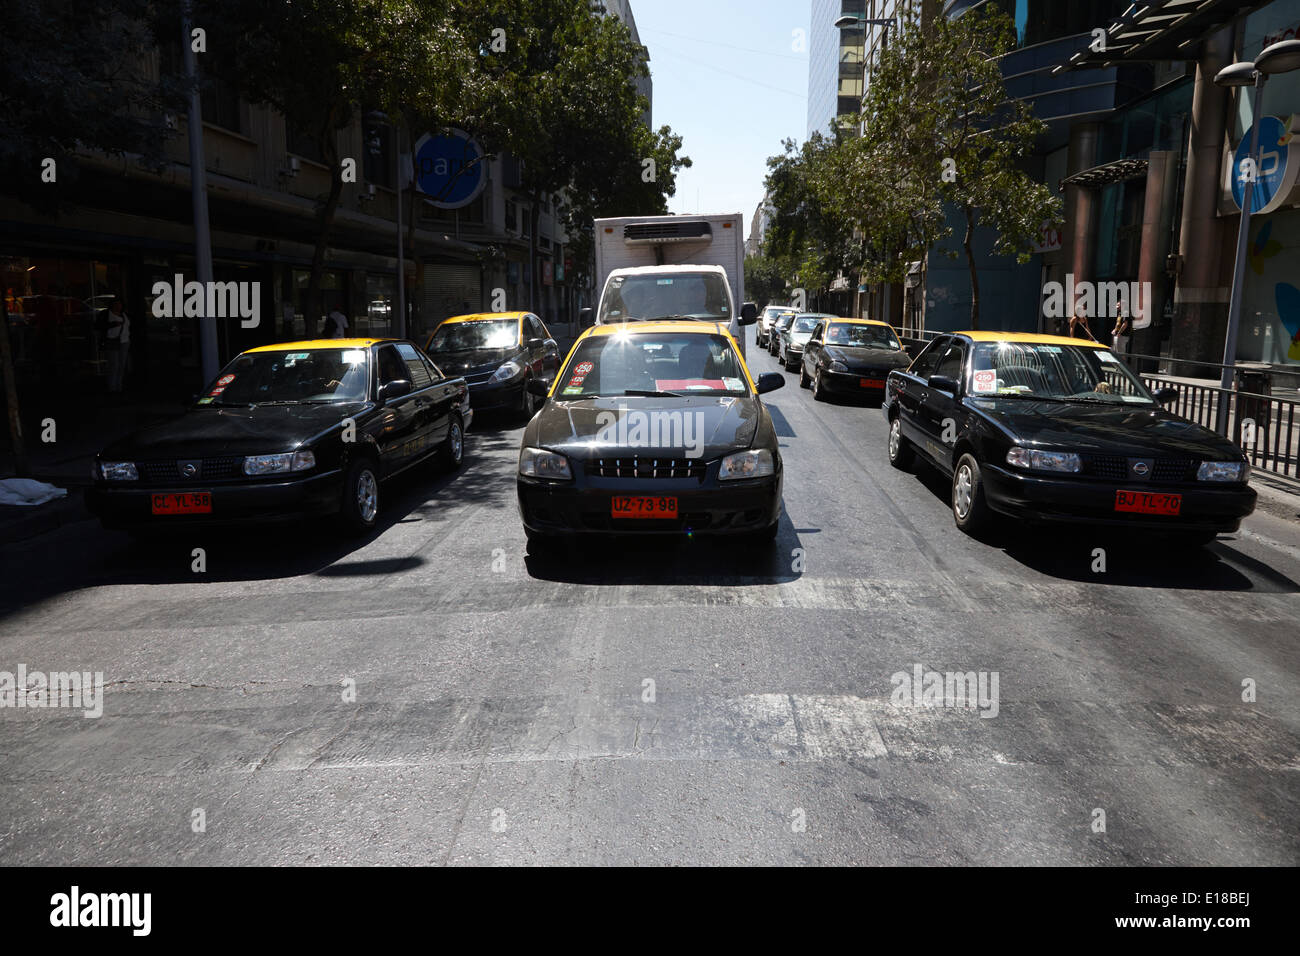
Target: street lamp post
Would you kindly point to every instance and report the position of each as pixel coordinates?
(379, 117)
(1281, 57)
(199, 198)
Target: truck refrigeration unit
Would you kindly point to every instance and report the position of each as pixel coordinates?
(683, 267)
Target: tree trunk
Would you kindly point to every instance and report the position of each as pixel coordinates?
(22, 467)
(974, 273)
(313, 306)
(534, 217)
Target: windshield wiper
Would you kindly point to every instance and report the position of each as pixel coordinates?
(652, 393)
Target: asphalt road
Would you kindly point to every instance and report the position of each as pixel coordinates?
(503, 713)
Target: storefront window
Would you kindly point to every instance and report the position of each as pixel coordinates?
(332, 287)
(381, 306)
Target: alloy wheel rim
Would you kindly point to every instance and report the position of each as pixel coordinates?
(893, 438)
(962, 491)
(457, 442)
(367, 496)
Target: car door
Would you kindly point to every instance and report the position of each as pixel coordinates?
(544, 357)
(400, 416)
(915, 386)
(813, 350)
(432, 406)
(938, 410)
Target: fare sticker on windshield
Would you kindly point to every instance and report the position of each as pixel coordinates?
(986, 381)
(1106, 356)
(225, 380)
(688, 384)
(571, 390)
(733, 384)
(205, 401)
(663, 282)
(351, 356)
(1052, 349)
(580, 372)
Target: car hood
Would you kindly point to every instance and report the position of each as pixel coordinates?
(710, 426)
(1130, 430)
(867, 357)
(799, 338)
(212, 432)
(472, 361)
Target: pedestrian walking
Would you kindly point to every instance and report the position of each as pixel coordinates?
(116, 328)
(1080, 323)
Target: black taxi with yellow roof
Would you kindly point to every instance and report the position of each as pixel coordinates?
(287, 431)
(1047, 428)
(851, 357)
(498, 353)
(652, 428)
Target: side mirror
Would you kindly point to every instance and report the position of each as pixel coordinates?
(943, 383)
(538, 387)
(536, 343)
(585, 317)
(391, 390)
(749, 313)
(770, 382)
(1166, 395)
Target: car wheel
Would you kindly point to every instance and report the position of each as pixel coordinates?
(764, 538)
(804, 380)
(1194, 539)
(969, 509)
(901, 454)
(527, 404)
(360, 506)
(452, 452)
(539, 543)
(819, 393)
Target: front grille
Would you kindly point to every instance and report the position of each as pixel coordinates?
(479, 378)
(647, 468)
(683, 230)
(211, 469)
(1116, 468)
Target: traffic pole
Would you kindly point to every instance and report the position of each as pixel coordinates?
(208, 363)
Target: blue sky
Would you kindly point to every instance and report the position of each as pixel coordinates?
(727, 78)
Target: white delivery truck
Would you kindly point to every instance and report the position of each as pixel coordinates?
(656, 267)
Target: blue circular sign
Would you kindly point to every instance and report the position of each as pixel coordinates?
(1275, 174)
(450, 169)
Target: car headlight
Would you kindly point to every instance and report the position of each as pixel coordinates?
(506, 372)
(747, 464)
(539, 463)
(1223, 471)
(118, 471)
(838, 367)
(275, 464)
(1044, 460)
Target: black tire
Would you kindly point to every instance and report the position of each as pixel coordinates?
(804, 380)
(539, 543)
(969, 508)
(452, 453)
(527, 405)
(901, 453)
(1194, 539)
(819, 393)
(765, 538)
(359, 508)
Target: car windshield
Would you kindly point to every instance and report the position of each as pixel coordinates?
(1056, 372)
(783, 321)
(694, 295)
(853, 335)
(805, 325)
(478, 334)
(312, 376)
(652, 363)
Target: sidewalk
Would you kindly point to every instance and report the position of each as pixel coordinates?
(81, 431)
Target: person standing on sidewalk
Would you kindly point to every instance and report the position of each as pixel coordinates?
(117, 345)
(1122, 334)
(336, 324)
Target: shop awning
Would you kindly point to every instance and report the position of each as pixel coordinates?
(1113, 172)
(1158, 30)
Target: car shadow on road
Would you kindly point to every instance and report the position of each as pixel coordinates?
(685, 560)
(1116, 556)
(260, 552)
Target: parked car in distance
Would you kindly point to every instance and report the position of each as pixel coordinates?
(287, 431)
(765, 319)
(851, 357)
(1043, 428)
(789, 346)
(498, 353)
(780, 323)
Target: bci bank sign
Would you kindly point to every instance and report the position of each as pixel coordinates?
(1279, 163)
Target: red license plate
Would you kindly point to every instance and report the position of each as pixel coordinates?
(183, 503)
(871, 383)
(1148, 503)
(644, 507)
